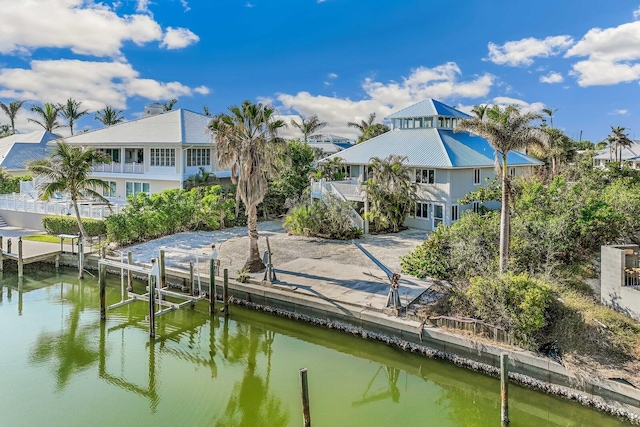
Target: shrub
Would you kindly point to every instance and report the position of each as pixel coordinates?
(69, 225)
(324, 218)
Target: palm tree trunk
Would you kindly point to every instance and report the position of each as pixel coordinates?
(254, 262)
(504, 217)
(83, 234)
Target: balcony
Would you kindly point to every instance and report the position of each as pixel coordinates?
(116, 167)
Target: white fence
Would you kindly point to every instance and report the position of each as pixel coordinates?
(118, 167)
(14, 202)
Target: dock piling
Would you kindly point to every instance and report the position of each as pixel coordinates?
(162, 266)
(191, 278)
(80, 258)
(152, 302)
(225, 291)
(129, 273)
(57, 263)
(9, 245)
(212, 286)
(102, 283)
(304, 394)
(1, 256)
(504, 388)
(20, 260)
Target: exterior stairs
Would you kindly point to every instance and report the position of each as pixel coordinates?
(3, 223)
(323, 188)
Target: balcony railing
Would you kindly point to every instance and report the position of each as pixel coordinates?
(632, 278)
(14, 202)
(118, 167)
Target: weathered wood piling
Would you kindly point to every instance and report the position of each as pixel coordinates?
(504, 388)
(304, 395)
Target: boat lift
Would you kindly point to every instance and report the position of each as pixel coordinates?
(393, 299)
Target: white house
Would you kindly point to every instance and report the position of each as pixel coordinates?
(328, 143)
(153, 153)
(629, 154)
(16, 150)
(445, 165)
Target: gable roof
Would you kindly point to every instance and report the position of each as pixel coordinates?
(426, 108)
(431, 147)
(18, 148)
(628, 153)
(175, 126)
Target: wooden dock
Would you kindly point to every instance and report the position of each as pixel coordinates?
(28, 251)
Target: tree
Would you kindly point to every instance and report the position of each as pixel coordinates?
(363, 125)
(390, 191)
(619, 140)
(11, 111)
(48, 116)
(5, 130)
(506, 129)
(205, 111)
(308, 126)
(68, 170)
(557, 149)
(71, 111)
(109, 116)
(247, 143)
(168, 106)
(480, 110)
(550, 112)
(372, 131)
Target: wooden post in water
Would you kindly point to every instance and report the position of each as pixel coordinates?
(304, 394)
(161, 265)
(9, 245)
(103, 252)
(1, 256)
(80, 257)
(129, 274)
(152, 302)
(102, 283)
(212, 286)
(20, 261)
(57, 263)
(191, 278)
(504, 388)
(225, 291)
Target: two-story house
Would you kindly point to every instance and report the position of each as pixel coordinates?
(153, 153)
(445, 165)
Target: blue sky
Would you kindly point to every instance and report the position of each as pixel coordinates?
(340, 59)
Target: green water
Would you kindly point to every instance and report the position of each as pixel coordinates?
(60, 366)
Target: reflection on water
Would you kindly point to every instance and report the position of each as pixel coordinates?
(225, 371)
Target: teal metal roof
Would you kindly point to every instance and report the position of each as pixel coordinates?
(426, 108)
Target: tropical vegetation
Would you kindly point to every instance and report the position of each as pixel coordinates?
(47, 116)
(308, 126)
(71, 112)
(11, 110)
(109, 116)
(327, 218)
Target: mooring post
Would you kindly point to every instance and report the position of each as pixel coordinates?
(152, 299)
(9, 246)
(20, 261)
(225, 291)
(103, 252)
(57, 263)
(212, 286)
(161, 265)
(80, 257)
(304, 394)
(20, 292)
(1, 256)
(191, 278)
(102, 283)
(129, 273)
(504, 388)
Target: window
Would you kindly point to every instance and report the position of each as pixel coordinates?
(163, 157)
(476, 207)
(111, 191)
(428, 122)
(455, 214)
(476, 176)
(133, 188)
(440, 122)
(425, 176)
(438, 211)
(422, 210)
(512, 171)
(199, 157)
(417, 123)
(113, 154)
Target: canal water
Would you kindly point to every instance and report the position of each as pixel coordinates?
(60, 366)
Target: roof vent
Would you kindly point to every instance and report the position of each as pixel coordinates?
(153, 109)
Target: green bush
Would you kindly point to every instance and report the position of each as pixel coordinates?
(327, 219)
(69, 225)
(11, 184)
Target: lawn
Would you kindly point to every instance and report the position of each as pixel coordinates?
(42, 238)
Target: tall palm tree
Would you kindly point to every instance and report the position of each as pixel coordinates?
(363, 125)
(480, 110)
(619, 140)
(550, 112)
(5, 130)
(11, 111)
(68, 170)
(168, 106)
(71, 111)
(48, 116)
(109, 116)
(247, 143)
(308, 126)
(506, 129)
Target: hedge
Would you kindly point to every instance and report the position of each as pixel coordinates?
(69, 225)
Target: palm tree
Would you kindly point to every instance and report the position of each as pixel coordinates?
(48, 116)
(5, 130)
(247, 143)
(619, 140)
(558, 149)
(205, 111)
(109, 116)
(11, 111)
(363, 125)
(480, 110)
(168, 106)
(506, 129)
(308, 126)
(550, 113)
(372, 131)
(68, 170)
(71, 112)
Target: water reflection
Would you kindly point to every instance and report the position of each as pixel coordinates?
(389, 390)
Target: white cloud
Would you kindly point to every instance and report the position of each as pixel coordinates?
(619, 112)
(332, 75)
(185, 5)
(525, 107)
(636, 13)
(440, 82)
(612, 55)
(93, 83)
(177, 38)
(249, 5)
(552, 77)
(522, 52)
(84, 26)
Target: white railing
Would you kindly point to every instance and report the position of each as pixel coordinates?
(14, 202)
(117, 167)
(320, 189)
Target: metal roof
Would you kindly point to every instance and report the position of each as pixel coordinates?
(37, 137)
(175, 126)
(426, 108)
(628, 153)
(431, 147)
(28, 146)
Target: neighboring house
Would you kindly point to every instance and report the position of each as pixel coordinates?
(629, 154)
(445, 165)
(16, 150)
(328, 144)
(620, 278)
(153, 153)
